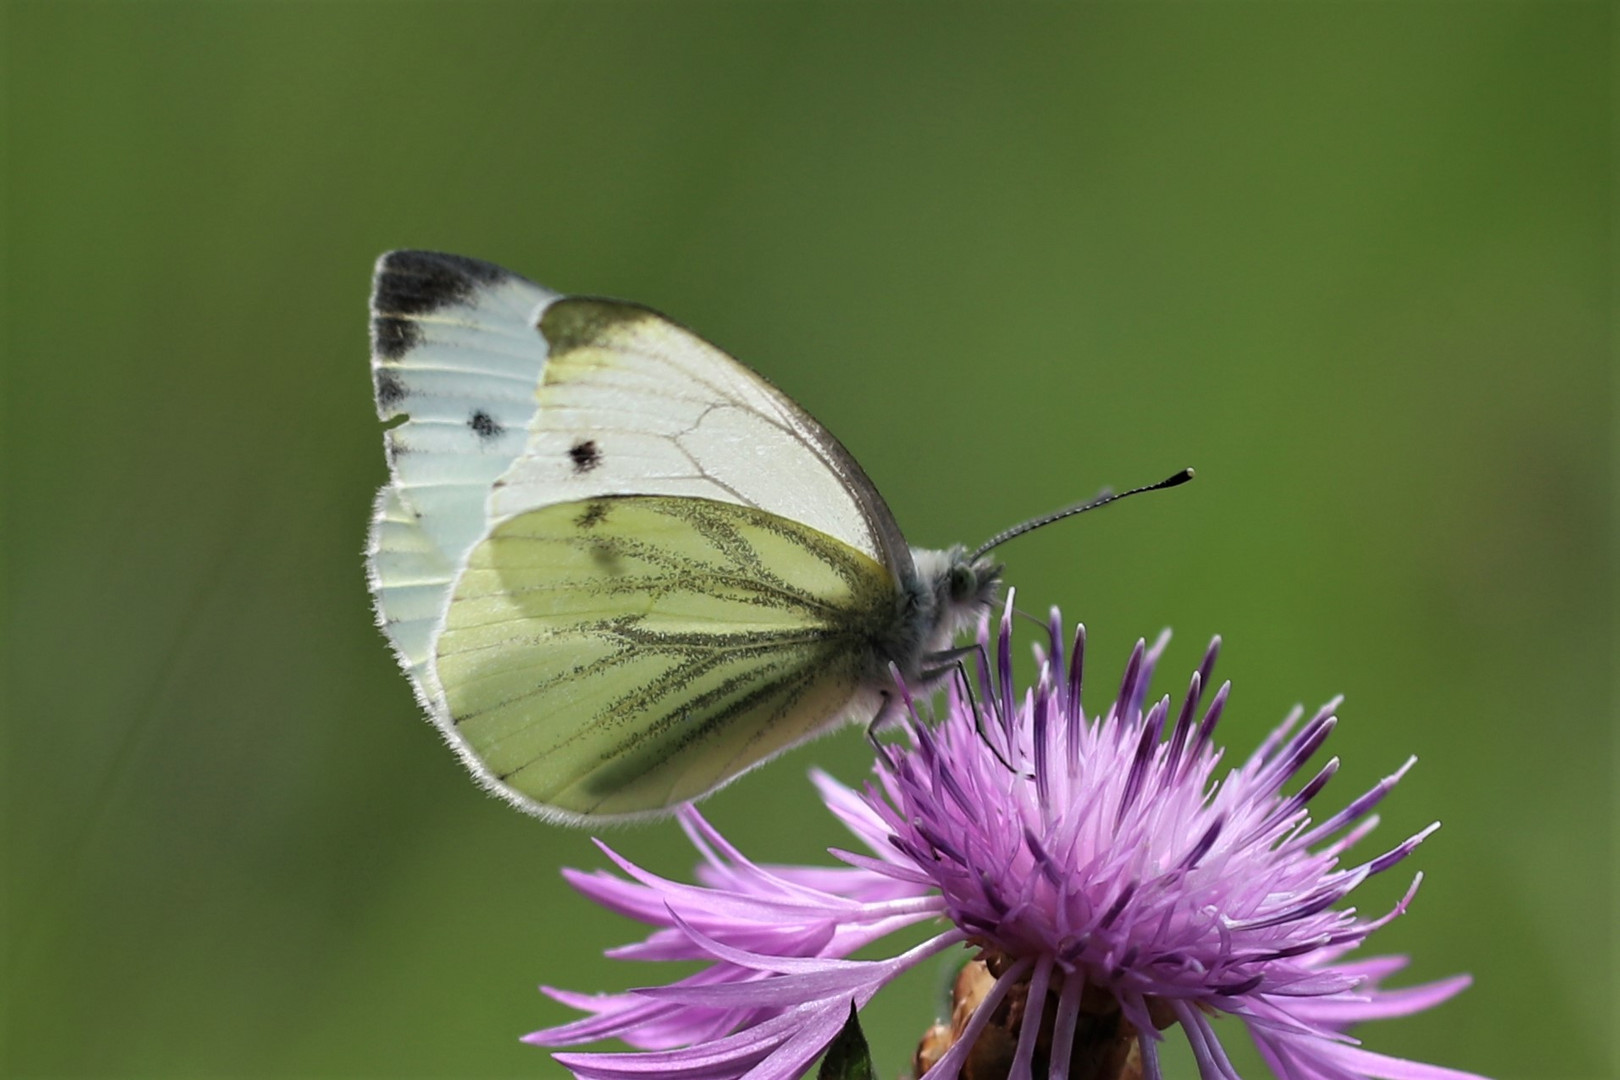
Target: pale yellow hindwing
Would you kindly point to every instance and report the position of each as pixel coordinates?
(621, 654)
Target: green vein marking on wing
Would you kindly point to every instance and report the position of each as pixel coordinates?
(621, 654)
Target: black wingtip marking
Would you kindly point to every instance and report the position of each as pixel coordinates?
(390, 389)
(485, 425)
(392, 338)
(421, 282)
(585, 455)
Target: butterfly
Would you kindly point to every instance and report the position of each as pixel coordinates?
(620, 568)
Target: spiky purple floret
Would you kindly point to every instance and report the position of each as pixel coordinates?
(1083, 851)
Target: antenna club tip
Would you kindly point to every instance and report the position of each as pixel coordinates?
(1177, 480)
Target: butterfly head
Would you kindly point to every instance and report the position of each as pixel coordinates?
(957, 587)
(970, 585)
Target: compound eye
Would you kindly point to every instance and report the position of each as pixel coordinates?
(963, 582)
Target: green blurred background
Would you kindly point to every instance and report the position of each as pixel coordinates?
(1352, 261)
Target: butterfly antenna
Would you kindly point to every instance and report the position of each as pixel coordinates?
(1078, 508)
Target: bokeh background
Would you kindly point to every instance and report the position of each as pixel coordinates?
(1352, 261)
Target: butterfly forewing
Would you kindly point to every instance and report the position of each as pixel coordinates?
(455, 357)
(632, 403)
(618, 655)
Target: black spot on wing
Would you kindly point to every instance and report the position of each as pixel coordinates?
(390, 389)
(585, 455)
(595, 513)
(421, 282)
(484, 425)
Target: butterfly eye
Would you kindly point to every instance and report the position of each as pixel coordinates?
(964, 582)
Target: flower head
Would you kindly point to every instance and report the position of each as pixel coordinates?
(1113, 880)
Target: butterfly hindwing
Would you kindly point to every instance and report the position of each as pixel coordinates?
(617, 655)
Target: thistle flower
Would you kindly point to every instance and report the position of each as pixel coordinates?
(1113, 885)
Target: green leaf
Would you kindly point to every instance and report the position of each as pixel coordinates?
(848, 1058)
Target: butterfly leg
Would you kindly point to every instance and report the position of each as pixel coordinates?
(886, 714)
(946, 662)
(947, 658)
(959, 669)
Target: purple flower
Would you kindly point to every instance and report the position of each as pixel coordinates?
(1113, 883)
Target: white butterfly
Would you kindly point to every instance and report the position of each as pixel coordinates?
(619, 567)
